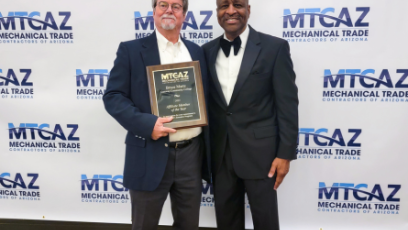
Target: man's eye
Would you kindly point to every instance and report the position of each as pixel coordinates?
(237, 5)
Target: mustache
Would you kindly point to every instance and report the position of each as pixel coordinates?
(168, 16)
(234, 16)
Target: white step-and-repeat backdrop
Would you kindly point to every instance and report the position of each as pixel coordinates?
(61, 154)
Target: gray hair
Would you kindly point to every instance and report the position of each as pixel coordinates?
(185, 5)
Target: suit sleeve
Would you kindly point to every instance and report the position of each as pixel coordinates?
(118, 101)
(286, 101)
(204, 74)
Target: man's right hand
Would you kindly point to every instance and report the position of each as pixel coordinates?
(159, 130)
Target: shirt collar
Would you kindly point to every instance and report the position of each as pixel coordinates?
(163, 43)
(244, 37)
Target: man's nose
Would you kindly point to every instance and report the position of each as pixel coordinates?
(169, 10)
(231, 9)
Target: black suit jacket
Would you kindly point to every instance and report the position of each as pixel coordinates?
(127, 100)
(261, 120)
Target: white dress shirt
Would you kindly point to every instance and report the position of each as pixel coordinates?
(175, 53)
(228, 67)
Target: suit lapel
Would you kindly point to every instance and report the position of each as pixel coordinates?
(150, 53)
(252, 50)
(192, 50)
(213, 72)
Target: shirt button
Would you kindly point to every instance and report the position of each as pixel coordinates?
(166, 145)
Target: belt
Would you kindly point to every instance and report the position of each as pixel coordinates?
(180, 144)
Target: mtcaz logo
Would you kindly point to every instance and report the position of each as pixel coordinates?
(92, 84)
(359, 198)
(322, 143)
(36, 137)
(193, 30)
(365, 85)
(103, 188)
(331, 24)
(36, 27)
(16, 84)
(19, 186)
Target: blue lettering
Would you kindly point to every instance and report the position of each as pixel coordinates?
(13, 131)
(193, 23)
(299, 17)
(334, 190)
(144, 24)
(402, 79)
(328, 78)
(80, 78)
(204, 25)
(89, 186)
(6, 22)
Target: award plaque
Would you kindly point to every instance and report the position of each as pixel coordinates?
(176, 90)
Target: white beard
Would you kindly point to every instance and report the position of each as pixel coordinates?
(168, 26)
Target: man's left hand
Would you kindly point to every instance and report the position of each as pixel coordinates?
(281, 168)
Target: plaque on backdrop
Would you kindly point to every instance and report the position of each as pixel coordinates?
(176, 90)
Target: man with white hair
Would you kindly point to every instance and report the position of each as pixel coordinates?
(159, 160)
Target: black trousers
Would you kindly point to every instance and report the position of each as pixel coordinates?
(229, 195)
(182, 179)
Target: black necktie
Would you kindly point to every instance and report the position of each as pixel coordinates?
(226, 46)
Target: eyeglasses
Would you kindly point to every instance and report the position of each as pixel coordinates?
(175, 6)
